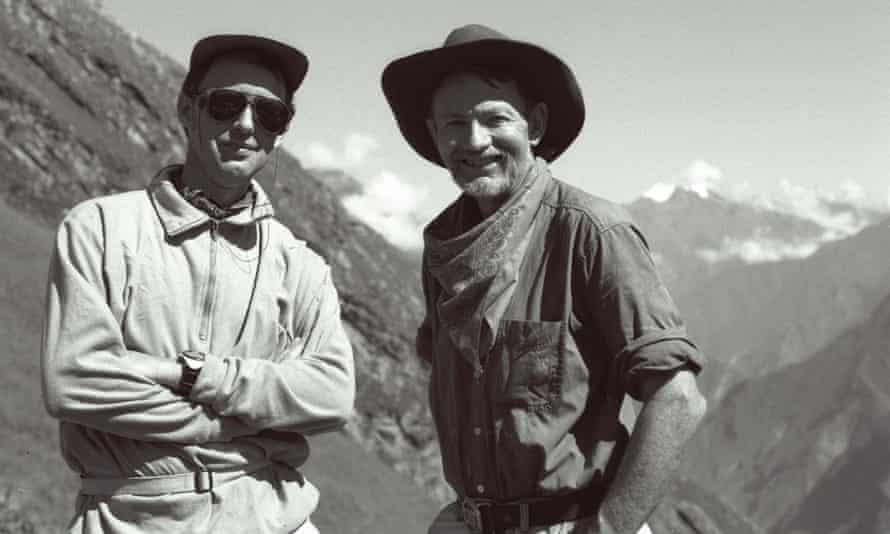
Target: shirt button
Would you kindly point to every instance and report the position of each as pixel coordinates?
(480, 488)
(477, 431)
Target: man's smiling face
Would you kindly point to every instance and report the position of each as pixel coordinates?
(228, 153)
(485, 132)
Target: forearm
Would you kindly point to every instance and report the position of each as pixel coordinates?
(665, 424)
(89, 376)
(323, 404)
(118, 394)
(308, 388)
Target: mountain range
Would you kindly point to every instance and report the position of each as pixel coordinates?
(808, 443)
(796, 437)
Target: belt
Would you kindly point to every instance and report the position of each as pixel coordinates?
(191, 482)
(484, 516)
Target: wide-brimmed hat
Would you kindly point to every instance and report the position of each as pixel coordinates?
(292, 62)
(409, 83)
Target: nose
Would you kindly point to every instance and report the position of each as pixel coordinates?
(477, 136)
(244, 121)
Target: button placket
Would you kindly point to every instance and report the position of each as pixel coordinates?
(478, 419)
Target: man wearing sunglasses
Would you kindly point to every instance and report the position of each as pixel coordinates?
(191, 342)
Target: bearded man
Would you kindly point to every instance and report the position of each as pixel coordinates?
(544, 310)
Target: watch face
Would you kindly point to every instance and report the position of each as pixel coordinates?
(193, 359)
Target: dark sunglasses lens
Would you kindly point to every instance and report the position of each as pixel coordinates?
(273, 115)
(225, 105)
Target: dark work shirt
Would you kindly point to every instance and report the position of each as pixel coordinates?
(588, 317)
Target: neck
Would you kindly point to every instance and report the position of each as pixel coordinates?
(194, 176)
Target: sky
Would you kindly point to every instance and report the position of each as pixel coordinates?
(759, 97)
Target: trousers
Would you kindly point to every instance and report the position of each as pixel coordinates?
(449, 522)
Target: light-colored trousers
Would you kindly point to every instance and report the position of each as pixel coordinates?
(449, 522)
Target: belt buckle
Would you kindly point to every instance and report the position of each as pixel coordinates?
(471, 513)
(203, 481)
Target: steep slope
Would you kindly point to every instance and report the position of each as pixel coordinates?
(760, 318)
(762, 288)
(805, 449)
(32, 473)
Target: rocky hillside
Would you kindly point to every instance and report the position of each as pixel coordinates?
(796, 437)
(757, 319)
(804, 450)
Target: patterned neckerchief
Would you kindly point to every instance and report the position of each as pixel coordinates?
(477, 267)
(199, 199)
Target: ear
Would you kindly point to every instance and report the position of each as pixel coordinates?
(537, 123)
(431, 127)
(278, 140)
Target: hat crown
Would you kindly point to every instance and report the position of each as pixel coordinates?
(471, 33)
(410, 81)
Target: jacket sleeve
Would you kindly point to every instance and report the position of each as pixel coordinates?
(308, 389)
(88, 375)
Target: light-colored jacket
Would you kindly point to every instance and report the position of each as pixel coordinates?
(145, 274)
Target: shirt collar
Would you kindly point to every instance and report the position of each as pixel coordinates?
(177, 215)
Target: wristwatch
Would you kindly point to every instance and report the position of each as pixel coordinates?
(192, 361)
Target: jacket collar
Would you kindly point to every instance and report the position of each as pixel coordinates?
(177, 215)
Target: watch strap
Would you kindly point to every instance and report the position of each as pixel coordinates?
(191, 362)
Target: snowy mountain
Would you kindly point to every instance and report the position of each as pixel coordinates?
(696, 230)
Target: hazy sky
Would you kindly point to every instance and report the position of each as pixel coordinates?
(753, 91)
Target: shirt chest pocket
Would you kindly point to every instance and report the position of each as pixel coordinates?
(529, 363)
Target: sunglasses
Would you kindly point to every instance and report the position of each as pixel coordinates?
(225, 104)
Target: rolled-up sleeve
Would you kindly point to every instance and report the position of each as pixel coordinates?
(89, 376)
(636, 315)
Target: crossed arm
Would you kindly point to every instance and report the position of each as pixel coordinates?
(92, 379)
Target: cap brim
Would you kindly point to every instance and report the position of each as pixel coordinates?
(294, 63)
(409, 82)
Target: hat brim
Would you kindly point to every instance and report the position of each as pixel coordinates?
(294, 63)
(409, 82)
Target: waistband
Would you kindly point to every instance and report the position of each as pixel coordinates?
(190, 482)
(484, 516)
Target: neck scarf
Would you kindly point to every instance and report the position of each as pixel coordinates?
(199, 199)
(478, 267)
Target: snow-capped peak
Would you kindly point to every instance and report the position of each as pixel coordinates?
(701, 189)
(660, 192)
(700, 178)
